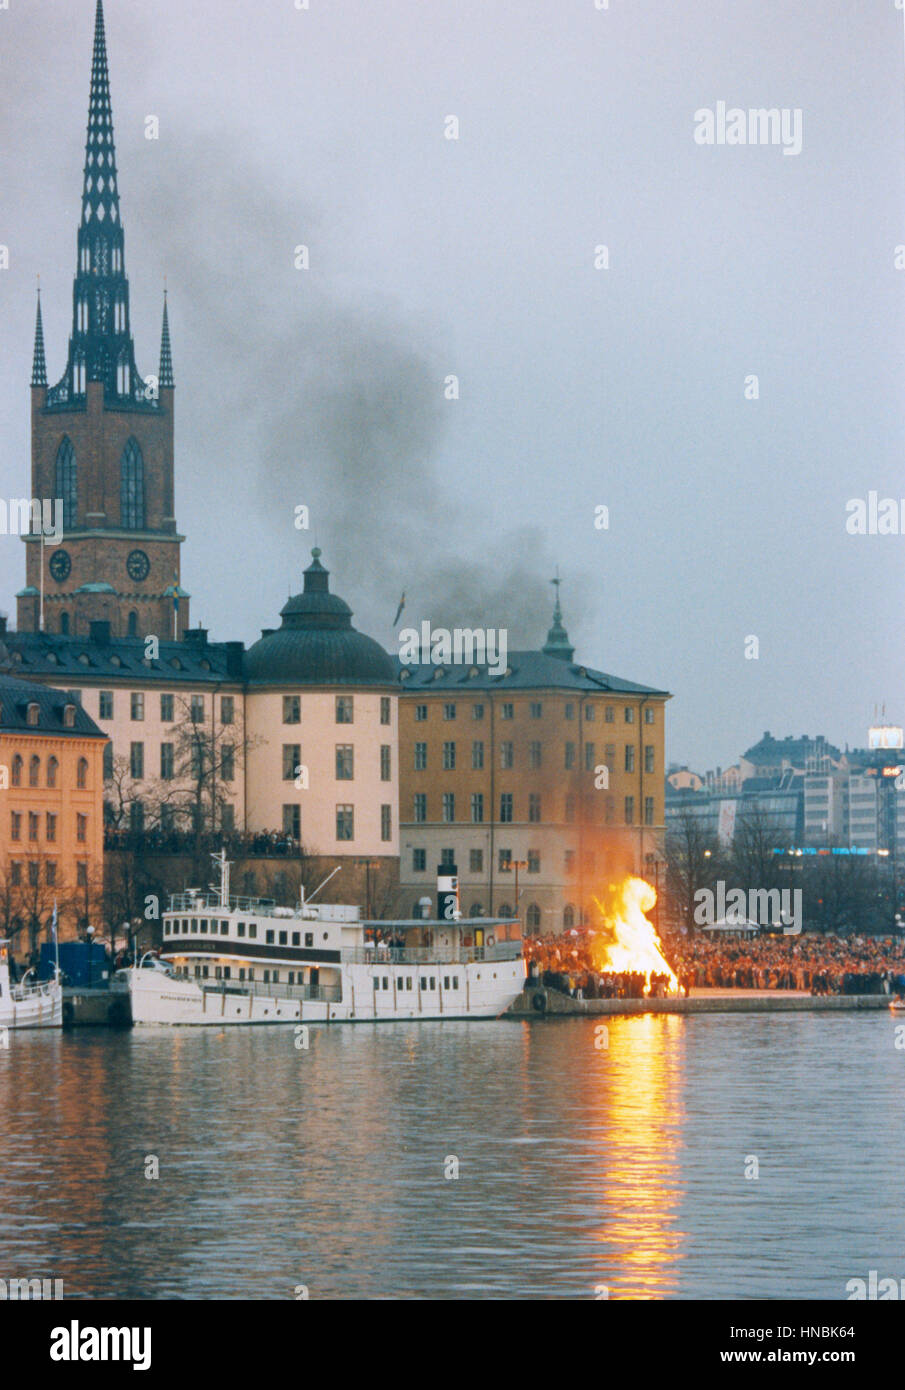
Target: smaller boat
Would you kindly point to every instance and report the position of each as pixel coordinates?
(26, 1005)
(897, 1005)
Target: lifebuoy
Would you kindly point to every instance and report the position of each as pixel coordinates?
(491, 941)
(539, 1003)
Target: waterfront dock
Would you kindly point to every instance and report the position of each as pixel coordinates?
(535, 1002)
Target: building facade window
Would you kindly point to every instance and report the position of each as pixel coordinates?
(477, 711)
(477, 808)
(534, 861)
(292, 821)
(449, 756)
(292, 709)
(137, 760)
(345, 823)
(649, 755)
(506, 807)
(419, 811)
(507, 754)
(108, 762)
(81, 774)
(449, 806)
(132, 488)
(419, 860)
(534, 807)
(589, 757)
(629, 714)
(476, 861)
(536, 709)
(67, 484)
(629, 757)
(629, 810)
(420, 757)
(81, 828)
(570, 755)
(449, 711)
(534, 754)
(648, 810)
(137, 705)
(292, 758)
(345, 762)
(648, 714)
(477, 754)
(228, 762)
(386, 822)
(345, 709)
(384, 709)
(105, 704)
(50, 827)
(507, 711)
(34, 770)
(420, 714)
(227, 709)
(385, 763)
(532, 916)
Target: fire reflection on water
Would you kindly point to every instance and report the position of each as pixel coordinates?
(638, 1080)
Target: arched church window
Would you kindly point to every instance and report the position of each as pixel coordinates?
(67, 483)
(133, 624)
(132, 488)
(64, 624)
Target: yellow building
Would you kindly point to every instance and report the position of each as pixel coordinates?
(51, 812)
(552, 767)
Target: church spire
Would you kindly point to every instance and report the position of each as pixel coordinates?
(165, 375)
(38, 364)
(100, 346)
(100, 195)
(557, 643)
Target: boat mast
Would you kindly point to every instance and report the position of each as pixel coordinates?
(223, 865)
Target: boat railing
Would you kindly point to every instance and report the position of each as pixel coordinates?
(23, 992)
(430, 955)
(210, 904)
(331, 994)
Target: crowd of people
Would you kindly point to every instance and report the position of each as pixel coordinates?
(267, 844)
(573, 961)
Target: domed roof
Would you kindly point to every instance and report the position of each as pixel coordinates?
(316, 643)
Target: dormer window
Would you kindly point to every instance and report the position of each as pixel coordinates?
(69, 716)
(33, 714)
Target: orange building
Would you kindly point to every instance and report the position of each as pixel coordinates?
(51, 813)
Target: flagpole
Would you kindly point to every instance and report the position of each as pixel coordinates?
(56, 939)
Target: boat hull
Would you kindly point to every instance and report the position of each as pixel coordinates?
(44, 1010)
(486, 991)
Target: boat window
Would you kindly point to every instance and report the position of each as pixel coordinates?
(267, 977)
(241, 928)
(433, 982)
(204, 926)
(269, 938)
(386, 982)
(242, 973)
(309, 938)
(292, 977)
(446, 982)
(423, 982)
(204, 971)
(296, 937)
(227, 971)
(408, 981)
(252, 929)
(284, 937)
(251, 972)
(224, 928)
(276, 977)
(455, 982)
(217, 972)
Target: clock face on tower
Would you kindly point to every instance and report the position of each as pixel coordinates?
(138, 565)
(60, 565)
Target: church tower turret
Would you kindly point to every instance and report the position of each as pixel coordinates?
(102, 437)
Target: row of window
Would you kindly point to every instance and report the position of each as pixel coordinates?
(33, 714)
(50, 826)
(195, 707)
(504, 861)
(52, 771)
(188, 926)
(506, 816)
(50, 873)
(345, 822)
(345, 709)
(345, 762)
(131, 474)
(406, 982)
(535, 756)
(536, 710)
(198, 757)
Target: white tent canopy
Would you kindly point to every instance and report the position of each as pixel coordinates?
(732, 923)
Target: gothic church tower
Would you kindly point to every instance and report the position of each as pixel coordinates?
(102, 437)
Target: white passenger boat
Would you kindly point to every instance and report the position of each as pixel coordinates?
(25, 1005)
(229, 960)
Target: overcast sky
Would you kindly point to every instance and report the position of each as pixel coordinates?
(579, 387)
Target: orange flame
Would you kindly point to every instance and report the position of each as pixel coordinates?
(629, 942)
